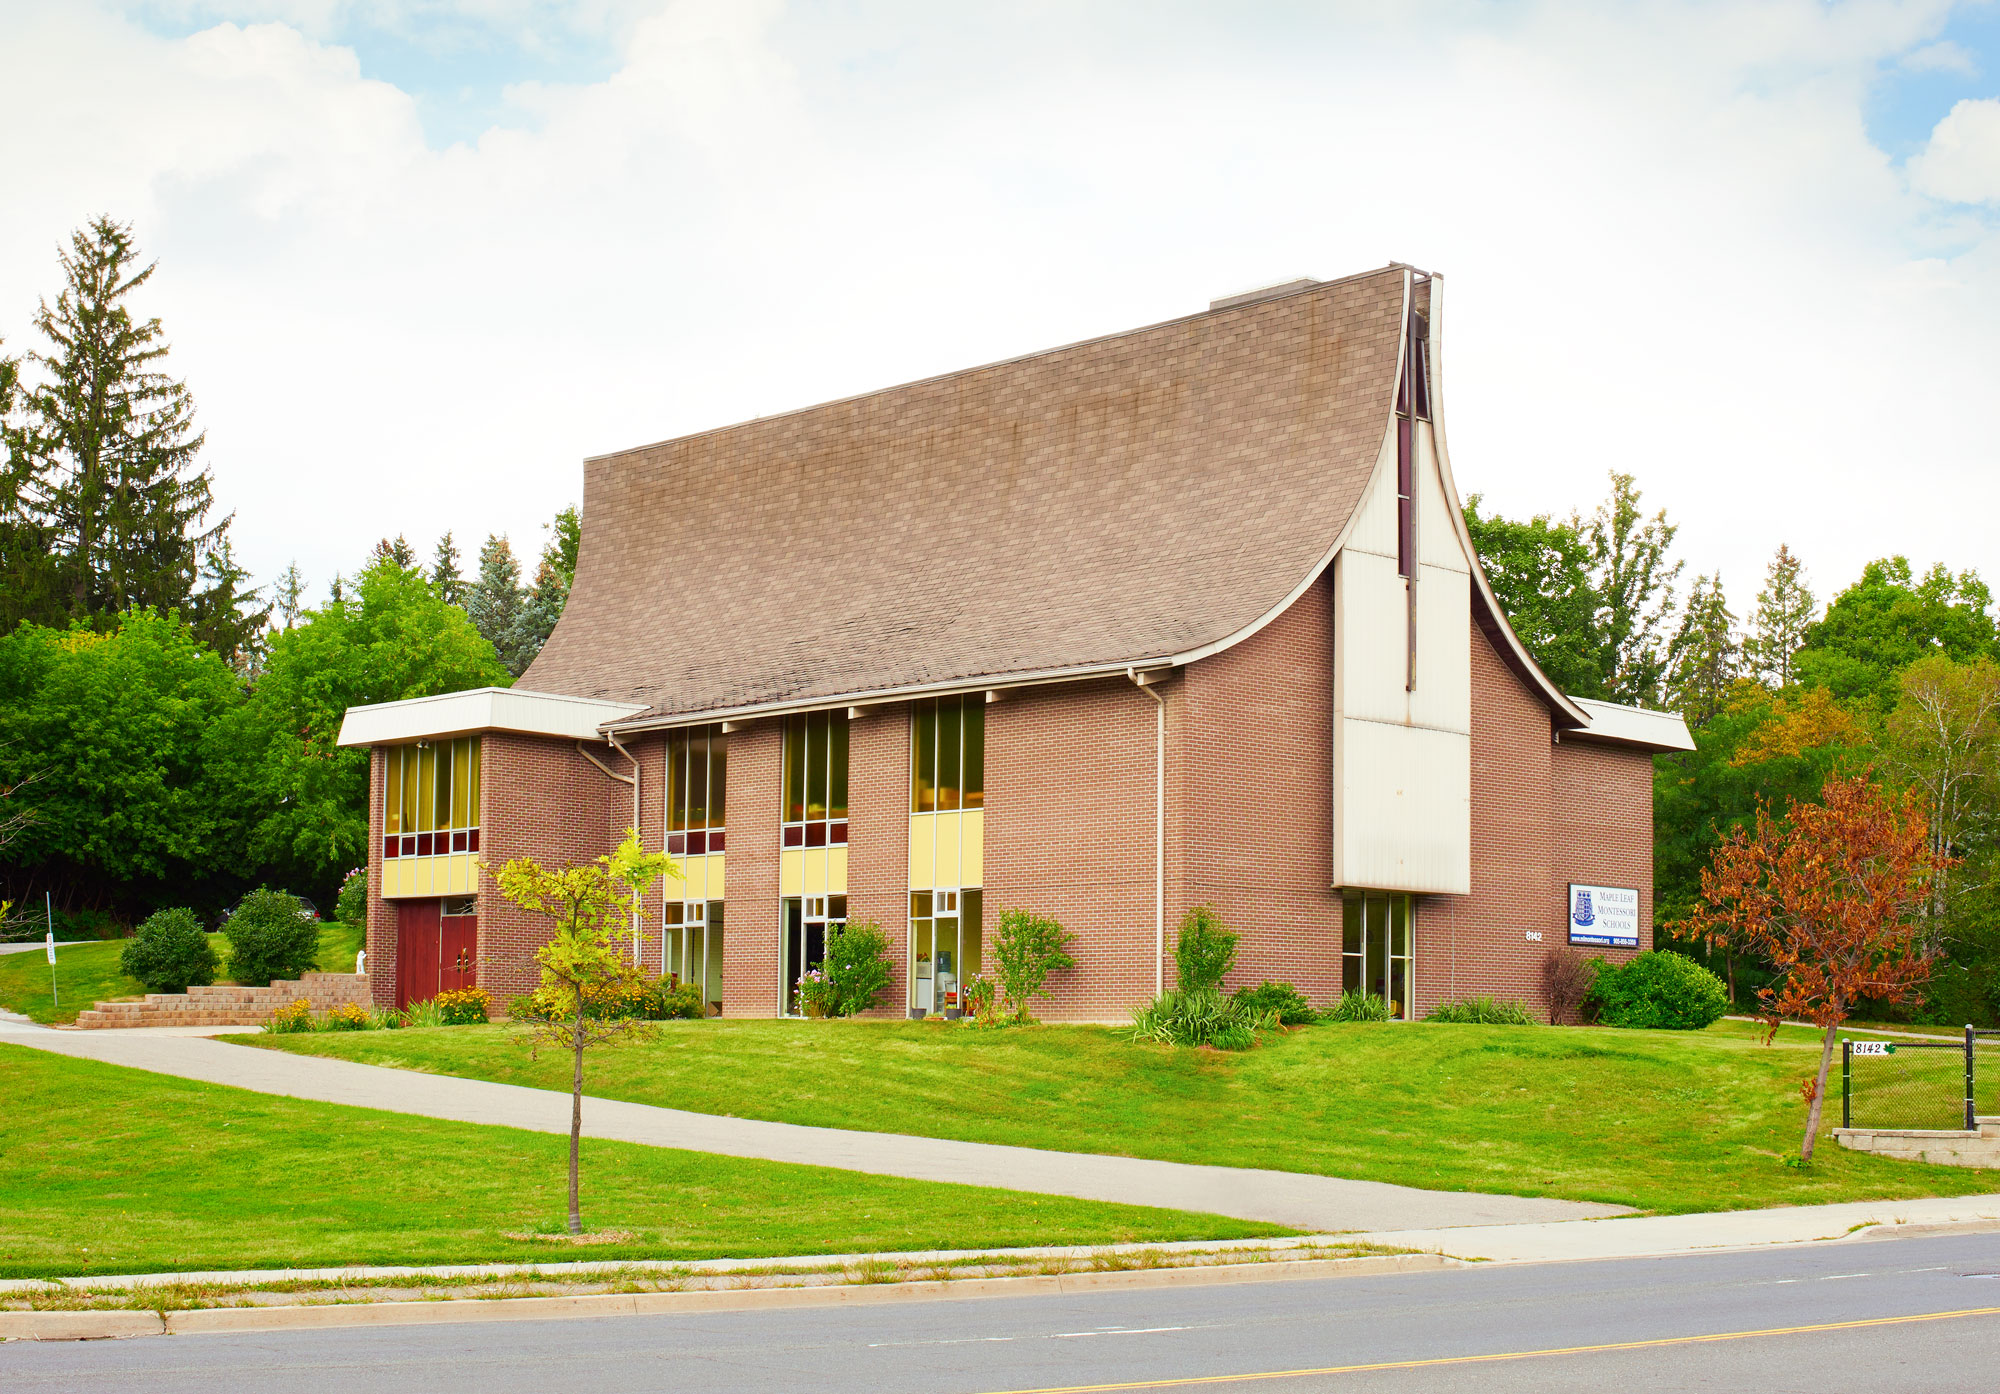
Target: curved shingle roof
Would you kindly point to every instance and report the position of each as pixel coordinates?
(1122, 501)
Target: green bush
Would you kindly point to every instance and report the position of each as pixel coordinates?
(1204, 951)
(1198, 1017)
(682, 1002)
(631, 997)
(270, 937)
(72, 925)
(1355, 1005)
(1282, 1000)
(352, 906)
(169, 953)
(1659, 990)
(1026, 950)
(1482, 1011)
(856, 963)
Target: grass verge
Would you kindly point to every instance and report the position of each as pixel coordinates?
(1664, 1121)
(88, 973)
(112, 1170)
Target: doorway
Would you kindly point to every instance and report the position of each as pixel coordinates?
(1377, 947)
(806, 921)
(437, 948)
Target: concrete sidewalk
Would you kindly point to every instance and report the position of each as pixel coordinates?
(1313, 1204)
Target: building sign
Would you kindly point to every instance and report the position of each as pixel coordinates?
(1604, 915)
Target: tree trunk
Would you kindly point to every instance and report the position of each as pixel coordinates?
(575, 1117)
(1819, 1093)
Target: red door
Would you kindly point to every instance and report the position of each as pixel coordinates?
(458, 951)
(419, 949)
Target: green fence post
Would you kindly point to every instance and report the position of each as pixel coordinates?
(1971, 1043)
(1847, 1084)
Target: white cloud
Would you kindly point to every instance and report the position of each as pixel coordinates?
(1962, 160)
(1945, 57)
(1669, 244)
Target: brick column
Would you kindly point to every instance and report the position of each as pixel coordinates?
(878, 837)
(751, 959)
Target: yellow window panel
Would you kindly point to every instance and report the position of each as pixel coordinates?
(947, 848)
(836, 871)
(715, 886)
(923, 836)
(791, 873)
(972, 847)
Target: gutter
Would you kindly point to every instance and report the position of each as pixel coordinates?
(633, 780)
(1159, 828)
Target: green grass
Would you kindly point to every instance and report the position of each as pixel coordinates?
(1663, 1121)
(88, 973)
(111, 1170)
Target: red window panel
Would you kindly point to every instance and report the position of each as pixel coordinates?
(409, 844)
(391, 846)
(795, 835)
(715, 839)
(836, 834)
(697, 843)
(472, 840)
(424, 844)
(677, 844)
(815, 834)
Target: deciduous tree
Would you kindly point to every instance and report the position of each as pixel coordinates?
(593, 908)
(1828, 897)
(1886, 621)
(1943, 739)
(1540, 573)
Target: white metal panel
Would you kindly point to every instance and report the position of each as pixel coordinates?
(1374, 527)
(1443, 695)
(1403, 818)
(1437, 539)
(1632, 726)
(1370, 637)
(480, 709)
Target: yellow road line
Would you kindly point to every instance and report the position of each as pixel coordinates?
(1182, 1382)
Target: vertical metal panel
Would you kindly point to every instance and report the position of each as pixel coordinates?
(1442, 699)
(1406, 818)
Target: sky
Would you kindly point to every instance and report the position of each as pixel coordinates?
(419, 258)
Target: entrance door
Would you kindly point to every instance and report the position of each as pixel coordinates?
(1377, 948)
(806, 919)
(458, 945)
(419, 950)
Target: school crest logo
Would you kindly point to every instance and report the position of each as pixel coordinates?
(1581, 913)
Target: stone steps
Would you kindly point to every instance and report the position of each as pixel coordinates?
(1978, 1147)
(229, 1005)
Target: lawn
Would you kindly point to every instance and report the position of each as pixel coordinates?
(1663, 1121)
(87, 973)
(111, 1170)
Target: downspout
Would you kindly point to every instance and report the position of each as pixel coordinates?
(633, 780)
(1159, 831)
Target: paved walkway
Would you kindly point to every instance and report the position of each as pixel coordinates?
(1316, 1204)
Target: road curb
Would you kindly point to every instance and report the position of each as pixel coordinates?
(212, 1320)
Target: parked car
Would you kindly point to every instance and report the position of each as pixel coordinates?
(307, 910)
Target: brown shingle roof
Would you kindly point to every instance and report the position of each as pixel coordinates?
(1115, 502)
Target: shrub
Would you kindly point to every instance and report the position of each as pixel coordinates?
(270, 937)
(1027, 949)
(347, 1017)
(86, 924)
(1355, 1005)
(1482, 1011)
(1199, 1016)
(424, 1014)
(169, 952)
(1659, 990)
(856, 962)
(352, 906)
(980, 991)
(631, 997)
(1566, 979)
(682, 1002)
(817, 994)
(463, 1006)
(1204, 951)
(1281, 1000)
(292, 1019)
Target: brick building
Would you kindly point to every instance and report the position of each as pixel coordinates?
(1182, 615)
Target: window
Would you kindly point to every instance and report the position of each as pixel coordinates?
(815, 780)
(948, 754)
(430, 798)
(697, 781)
(693, 950)
(806, 922)
(945, 942)
(1378, 934)
(1413, 404)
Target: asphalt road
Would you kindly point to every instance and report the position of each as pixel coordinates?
(1444, 1329)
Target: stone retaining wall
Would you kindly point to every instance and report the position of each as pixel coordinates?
(230, 1006)
(1950, 1147)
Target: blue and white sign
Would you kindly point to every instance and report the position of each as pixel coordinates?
(1607, 916)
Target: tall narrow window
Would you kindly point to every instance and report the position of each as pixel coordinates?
(430, 798)
(815, 780)
(1413, 404)
(696, 774)
(948, 754)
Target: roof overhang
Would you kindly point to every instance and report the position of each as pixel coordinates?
(1635, 728)
(481, 709)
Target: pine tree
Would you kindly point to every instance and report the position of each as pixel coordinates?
(336, 590)
(1704, 652)
(288, 595)
(106, 448)
(28, 583)
(224, 615)
(1630, 570)
(537, 618)
(1785, 611)
(494, 600)
(398, 551)
(445, 577)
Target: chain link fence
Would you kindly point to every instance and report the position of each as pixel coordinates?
(1909, 1084)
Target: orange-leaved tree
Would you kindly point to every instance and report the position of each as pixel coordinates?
(1827, 894)
(595, 907)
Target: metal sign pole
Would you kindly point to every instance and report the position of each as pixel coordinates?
(49, 910)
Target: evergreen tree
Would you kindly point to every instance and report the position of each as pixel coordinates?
(288, 596)
(398, 551)
(495, 599)
(1785, 610)
(445, 577)
(336, 589)
(1635, 583)
(225, 615)
(1704, 653)
(537, 618)
(106, 448)
(28, 584)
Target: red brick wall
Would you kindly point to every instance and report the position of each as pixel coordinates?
(1603, 828)
(878, 836)
(1069, 833)
(381, 932)
(1256, 749)
(751, 961)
